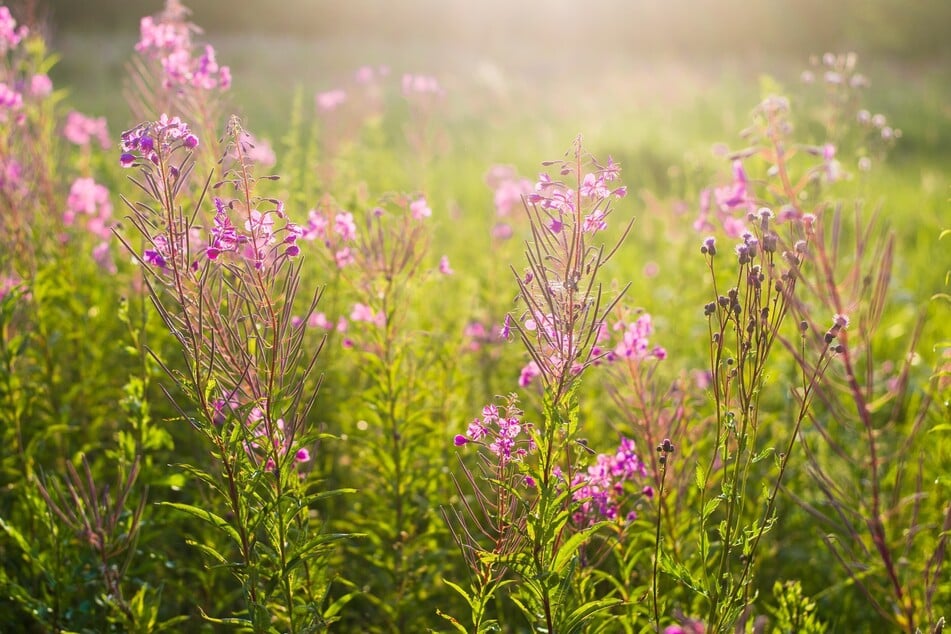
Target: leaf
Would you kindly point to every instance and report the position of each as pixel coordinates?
(314, 548)
(204, 476)
(337, 606)
(17, 536)
(208, 550)
(699, 478)
(457, 588)
(761, 455)
(208, 516)
(568, 550)
(455, 624)
(228, 621)
(314, 497)
(711, 506)
(582, 613)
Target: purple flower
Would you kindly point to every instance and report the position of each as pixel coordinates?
(600, 489)
(501, 432)
(528, 374)
(345, 227)
(10, 35)
(150, 140)
(444, 267)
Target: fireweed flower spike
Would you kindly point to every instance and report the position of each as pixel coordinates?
(227, 298)
(560, 294)
(540, 494)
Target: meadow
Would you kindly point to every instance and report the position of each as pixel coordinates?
(345, 335)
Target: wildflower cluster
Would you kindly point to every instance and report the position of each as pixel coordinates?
(600, 489)
(29, 194)
(89, 201)
(157, 140)
(632, 344)
(262, 242)
(367, 80)
(563, 317)
(10, 33)
(589, 202)
(635, 340)
(82, 130)
(18, 83)
(421, 85)
(501, 432)
(509, 192)
(167, 38)
(228, 304)
(266, 445)
(335, 228)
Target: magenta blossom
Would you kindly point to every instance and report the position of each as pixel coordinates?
(420, 209)
(82, 130)
(600, 490)
(502, 432)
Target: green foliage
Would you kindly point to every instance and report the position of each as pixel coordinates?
(131, 499)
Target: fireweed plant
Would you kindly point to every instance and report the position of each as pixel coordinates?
(868, 467)
(535, 497)
(27, 139)
(171, 73)
(225, 284)
(637, 498)
(71, 538)
(395, 452)
(753, 287)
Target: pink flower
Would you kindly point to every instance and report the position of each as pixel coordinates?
(10, 35)
(509, 188)
(345, 227)
(735, 195)
(40, 85)
(420, 209)
(528, 374)
(316, 226)
(261, 226)
(81, 129)
(362, 312)
(444, 267)
(86, 197)
(330, 100)
(344, 257)
(258, 151)
(10, 99)
(421, 84)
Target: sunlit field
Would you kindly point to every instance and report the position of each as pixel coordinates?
(470, 333)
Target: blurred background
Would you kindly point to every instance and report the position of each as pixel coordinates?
(910, 29)
(597, 57)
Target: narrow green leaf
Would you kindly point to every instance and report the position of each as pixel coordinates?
(208, 550)
(711, 506)
(202, 475)
(208, 516)
(456, 625)
(577, 619)
(568, 550)
(459, 589)
(227, 621)
(761, 455)
(17, 537)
